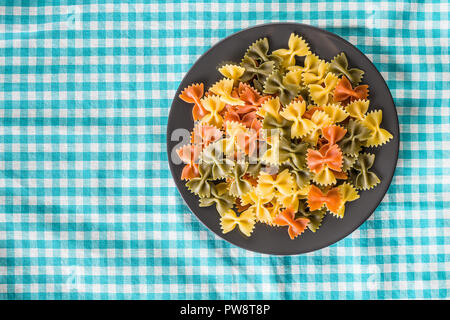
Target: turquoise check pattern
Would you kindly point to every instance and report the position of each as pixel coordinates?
(88, 208)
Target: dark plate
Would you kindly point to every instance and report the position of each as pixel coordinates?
(272, 240)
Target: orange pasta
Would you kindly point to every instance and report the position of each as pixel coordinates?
(333, 133)
(327, 155)
(193, 94)
(203, 135)
(345, 93)
(287, 218)
(317, 199)
(189, 155)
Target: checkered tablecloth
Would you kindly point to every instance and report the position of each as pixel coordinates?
(88, 208)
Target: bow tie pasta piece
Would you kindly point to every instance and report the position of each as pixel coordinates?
(234, 129)
(258, 204)
(345, 93)
(193, 94)
(200, 185)
(242, 137)
(378, 136)
(286, 91)
(221, 199)
(310, 64)
(315, 217)
(251, 97)
(316, 76)
(320, 119)
(249, 119)
(214, 157)
(327, 156)
(317, 199)
(325, 177)
(274, 128)
(348, 193)
(335, 112)
(189, 155)
(296, 225)
(294, 153)
(223, 89)
(256, 71)
(203, 135)
(339, 66)
(273, 122)
(268, 185)
(356, 136)
(322, 95)
(239, 186)
(297, 47)
(245, 221)
(292, 200)
(294, 112)
(333, 133)
(270, 107)
(302, 176)
(231, 71)
(282, 150)
(213, 106)
(258, 51)
(357, 109)
(364, 179)
(293, 77)
(347, 162)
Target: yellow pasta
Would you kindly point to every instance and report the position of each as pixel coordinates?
(268, 185)
(272, 107)
(257, 204)
(245, 221)
(293, 77)
(294, 112)
(223, 89)
(292, 200)
(273, 210)
(232, 71)
(347, 193)
(320, 119)
(311, 64)
(335, 112)
(323, 95)
(325, 177)
(357, 109)
(297, 47)
(272, 154)
(213, 105)
(316, 76)
(378, 136)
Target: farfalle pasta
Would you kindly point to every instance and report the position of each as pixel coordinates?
(281, 139)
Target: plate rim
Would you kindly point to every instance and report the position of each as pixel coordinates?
(329, 33)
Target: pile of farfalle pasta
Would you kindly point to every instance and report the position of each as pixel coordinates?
(281, 139)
